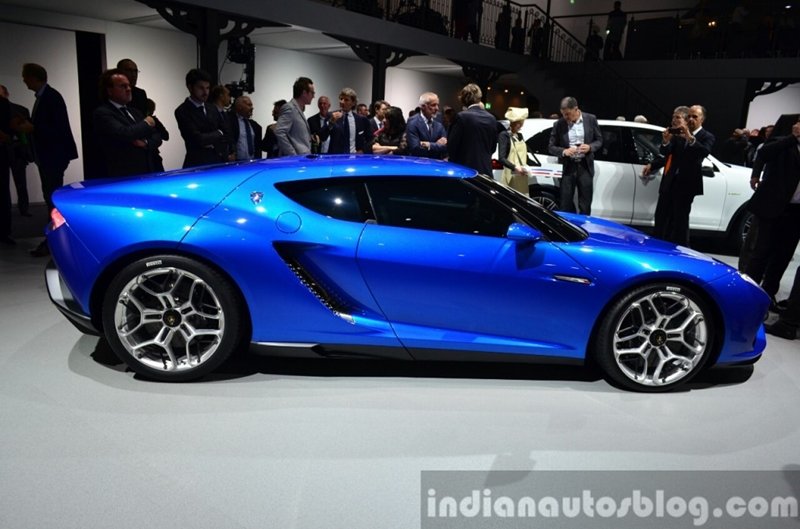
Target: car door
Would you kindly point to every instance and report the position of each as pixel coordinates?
(707, 208)
(614, 176)
(443, 272)
(646, 144)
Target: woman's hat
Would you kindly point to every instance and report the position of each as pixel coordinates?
(516, 114)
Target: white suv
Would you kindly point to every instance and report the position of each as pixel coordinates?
(619, 192)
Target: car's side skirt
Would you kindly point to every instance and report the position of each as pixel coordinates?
(315, 350)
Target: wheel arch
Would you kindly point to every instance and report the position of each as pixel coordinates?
(544, 188)
(104, 280)
(718, 321)
(731, 230)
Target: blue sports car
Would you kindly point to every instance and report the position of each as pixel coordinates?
(391, 257)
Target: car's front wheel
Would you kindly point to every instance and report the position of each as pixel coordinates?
(171, 318)
(655, 338)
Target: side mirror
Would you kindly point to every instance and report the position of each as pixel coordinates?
(523, 232)
(707, 171)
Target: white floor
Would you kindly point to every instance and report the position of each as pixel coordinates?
(311, 444)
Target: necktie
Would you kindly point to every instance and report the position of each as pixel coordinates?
(346, 124)
(430, 128)
(127, 114)
(668, 164)
(249, 132)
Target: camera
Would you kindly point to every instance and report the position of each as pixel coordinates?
(675, 130)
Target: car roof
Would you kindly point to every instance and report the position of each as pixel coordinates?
(362, 165)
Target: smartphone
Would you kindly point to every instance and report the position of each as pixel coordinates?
(673, 130)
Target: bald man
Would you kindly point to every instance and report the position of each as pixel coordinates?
(247, 136)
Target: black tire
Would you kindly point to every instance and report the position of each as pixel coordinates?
(171, 318)
(547, 199)
(655, 338)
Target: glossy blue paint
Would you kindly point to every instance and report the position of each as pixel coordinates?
(384, 285)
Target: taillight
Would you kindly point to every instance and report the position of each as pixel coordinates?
(496, 166)
(57, 219)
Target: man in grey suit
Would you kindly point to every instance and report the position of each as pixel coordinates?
(574, 139)
(292, 130)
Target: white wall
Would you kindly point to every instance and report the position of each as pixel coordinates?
(403, 88)
(766, 109)
(277, 69)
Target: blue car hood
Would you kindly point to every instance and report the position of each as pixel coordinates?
(613, 246)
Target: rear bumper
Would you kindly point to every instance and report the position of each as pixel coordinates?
(64, 302)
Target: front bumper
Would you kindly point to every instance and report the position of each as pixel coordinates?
(63, 300)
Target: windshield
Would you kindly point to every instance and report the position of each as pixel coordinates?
(553, 227)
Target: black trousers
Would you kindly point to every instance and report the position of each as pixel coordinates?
(576, 175)
(19, 173)
(775, 244)
(672, 218)
(52, 177)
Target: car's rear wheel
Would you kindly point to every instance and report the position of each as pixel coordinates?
(655, 338)
(545, 198)
(171, 318)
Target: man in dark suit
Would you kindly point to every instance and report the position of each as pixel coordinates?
(138, 96)
(379, 109)
(200, 124)
(53, 143)
(320, 121)
(426, 136)
(473, 135)
(20, 153)
(127, 139)
(246, 133)
(776, 204)
(685, 145)
(349, 132)
(574, 139)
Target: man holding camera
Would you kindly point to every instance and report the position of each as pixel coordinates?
(685, 145)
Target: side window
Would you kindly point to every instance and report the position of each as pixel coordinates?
(647, 143)
(343, 199)
(538, 143)
(613, 149)
(440, 204)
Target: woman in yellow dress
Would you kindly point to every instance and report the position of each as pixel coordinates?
(512, 151)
